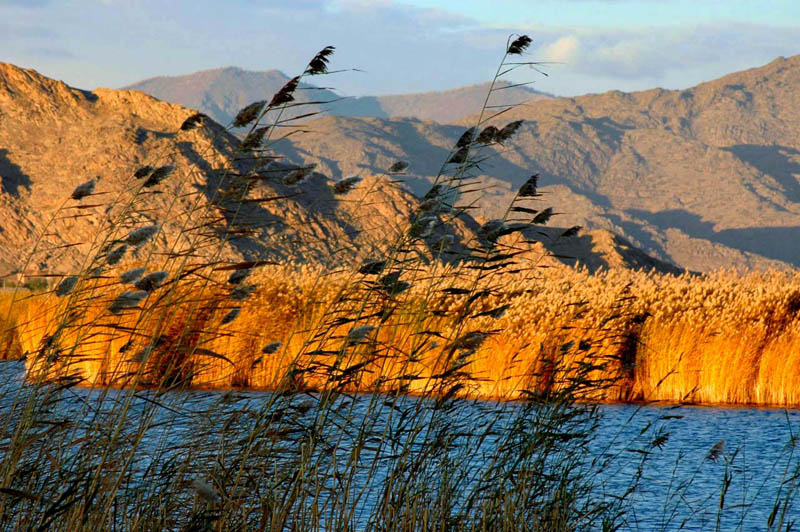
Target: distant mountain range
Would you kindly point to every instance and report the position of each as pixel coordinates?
(54, 137)
(706, 177)
(222, 92)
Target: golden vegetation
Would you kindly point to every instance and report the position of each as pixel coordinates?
(721, 338)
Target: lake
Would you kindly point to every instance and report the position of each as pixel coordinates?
(665, 448)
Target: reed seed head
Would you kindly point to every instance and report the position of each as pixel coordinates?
(239, 275)
(423, 227)
(151, 281)
(242, 292)
(66, 285)
(492, 230)
(528, 188)
(139, 236)
(194, 121)
(390, 278)
(206, 491)
(543, 217)
(158, 175)
(346, 184)
(498, 312)
(143, 172)
(372, 267)
(254, 139)
(429, 205)
(716, 451)
(460, 156)
(319, 63)
(469, 341)
(131, 276)
(488, 135)
(286, 94)
(445, 241)
(397, 167)
(305, 406)
(519, 45)
(84, 189)
(298, 175)
(392, 284)
(115, 255)
(466, 138)
(508, 131)
(231, 315)
(249, 113)
(142, 355)
(271, 348)
(127, 300)
(434, 192)
(358, 334)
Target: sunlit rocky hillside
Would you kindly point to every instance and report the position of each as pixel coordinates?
(705, 177)
(54, 137)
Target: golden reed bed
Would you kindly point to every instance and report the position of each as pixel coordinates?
(722, 338)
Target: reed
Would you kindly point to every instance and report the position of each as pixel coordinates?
(722, 338)
(370, 367)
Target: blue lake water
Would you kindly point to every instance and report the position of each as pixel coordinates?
(665, 448)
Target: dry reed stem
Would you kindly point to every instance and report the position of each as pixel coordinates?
(721, 338)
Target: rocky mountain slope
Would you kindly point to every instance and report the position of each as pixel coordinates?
(221, 92)
(706, 177)
(54, 137)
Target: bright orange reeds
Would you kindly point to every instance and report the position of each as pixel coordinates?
(722, 338)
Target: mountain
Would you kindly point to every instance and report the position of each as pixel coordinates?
(706, 177)
(222, 92)
(54, 137)
(445, 107)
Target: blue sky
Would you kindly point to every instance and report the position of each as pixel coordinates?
(403, 46)
(613, 14)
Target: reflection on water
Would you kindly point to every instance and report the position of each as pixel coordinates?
(662, 452)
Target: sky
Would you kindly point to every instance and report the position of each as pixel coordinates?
(390, 47)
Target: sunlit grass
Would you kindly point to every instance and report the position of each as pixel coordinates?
(718, 338)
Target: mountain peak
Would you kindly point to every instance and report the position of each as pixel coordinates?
(36, 93)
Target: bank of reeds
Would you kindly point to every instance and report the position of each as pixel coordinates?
(722, 338)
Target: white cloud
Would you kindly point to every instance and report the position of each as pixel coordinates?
(598, 59)
(564, 50)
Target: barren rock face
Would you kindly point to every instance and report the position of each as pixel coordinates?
(54, 137)
(706, 177)
(69, 161)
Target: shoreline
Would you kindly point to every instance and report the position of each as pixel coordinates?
(476, 398)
